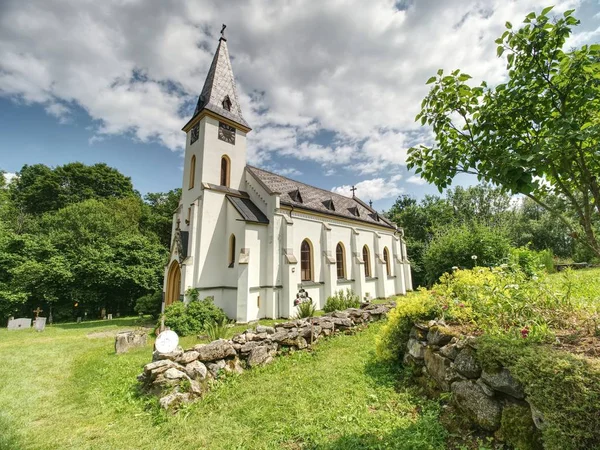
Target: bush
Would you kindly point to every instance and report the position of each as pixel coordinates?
(456, 246)
(565, 388)
(305, 309)
(342, 300)
(149, 304)
(217, 330)
(532, 262)
(392, 340)
(193, 318)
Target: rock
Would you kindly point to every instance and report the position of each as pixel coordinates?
(127, 340)
(173, 401)
(195, 388)
(239, 338)
(157, 365)
(196, 370)
(156, 356)
(481, 409)
(437, 367)
(248, 346)
(233, 366)
(309, 332)
(264, 329)
(438, 335)
(538, 418)
(449, 351)
(187, 357)
(341, 323)
(340, 314)
(215, 350)
(486, 389)
(261, 355)
(215, 367)
(279, 335)
(249, 335)
(260, 337)
(175, 374)
(416, 349)
(466, 364)
(296, 341)
(418, 334)
(503, 381)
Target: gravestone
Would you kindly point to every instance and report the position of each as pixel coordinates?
(17, 324)
(126, 340)
(109, 317)
(40, 323)
(166, 342)
(79, 320)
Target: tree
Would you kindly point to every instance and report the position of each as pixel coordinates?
(538, 134)
(157, 217)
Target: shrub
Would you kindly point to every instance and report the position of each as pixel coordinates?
(342, 300)
(518, 428)
(149, 304)
(392, 340)
(217, 330)
(565, 388)
(455, 246)
(306, 309)
(193, 318)
(532, 262)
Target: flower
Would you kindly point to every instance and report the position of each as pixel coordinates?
(474, 257)
(454, 267)
(524, 332)
(444, 307)
(461, 305)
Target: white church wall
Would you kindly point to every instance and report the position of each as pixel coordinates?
(189, 195)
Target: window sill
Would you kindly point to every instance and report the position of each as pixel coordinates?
(311, 283)
(344, 281)
(371, 278)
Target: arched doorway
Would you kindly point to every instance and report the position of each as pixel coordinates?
(173, 284)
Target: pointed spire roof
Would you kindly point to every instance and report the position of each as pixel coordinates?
(219, 93)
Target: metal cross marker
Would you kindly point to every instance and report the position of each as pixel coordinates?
(370, 203)
(353, 189)
(37, 312)
(223, 30)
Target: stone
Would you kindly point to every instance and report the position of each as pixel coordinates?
(486, 389)
(265, 329)
(187, 357)
(233, 366)
(437, 367)
(126, 340)
(173, 401)
(239, 338)
(259, 337)
(248, 346)
(481, 409)
(261, 355)
(157, 365)
(449, 351)
(195, 388)
(340, 314)
(249, 335)
(17, 324)
(341, 323)
(503, 381)
(172, 356)
(296, 341)
(538, 418)
(309, 332)
(175, 374)
(418, 334)
(196, 370)
(215, 350)
(215, 367)
(279, 336)
(40, 323)
(438, 335)
(466, 364)
(416, 349)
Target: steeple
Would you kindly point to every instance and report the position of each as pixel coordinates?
(219, 93)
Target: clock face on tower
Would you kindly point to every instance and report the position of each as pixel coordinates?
(226, 133)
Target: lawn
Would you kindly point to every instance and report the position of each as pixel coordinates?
(63, 389)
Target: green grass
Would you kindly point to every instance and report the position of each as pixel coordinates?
(61, 389)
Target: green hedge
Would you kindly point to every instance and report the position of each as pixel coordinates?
(193, 317)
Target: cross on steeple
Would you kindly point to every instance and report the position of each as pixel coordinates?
(353, 189)
(370, 203)
(223, 31)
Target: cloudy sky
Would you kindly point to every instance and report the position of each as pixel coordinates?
(330, 87)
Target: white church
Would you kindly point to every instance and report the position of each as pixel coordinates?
(252, 239)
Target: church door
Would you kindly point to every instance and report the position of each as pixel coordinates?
(173, 284)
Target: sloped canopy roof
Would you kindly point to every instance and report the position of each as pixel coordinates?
(316, 199)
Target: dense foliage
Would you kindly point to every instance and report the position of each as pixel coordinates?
(77, 239)
(342, 299)
(535, 135)
(194, 317)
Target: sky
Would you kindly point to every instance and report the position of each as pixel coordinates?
(330, 88)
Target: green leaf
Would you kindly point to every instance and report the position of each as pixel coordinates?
(546, 10)
(431, 80)
(568, 12)
(595, 48)
(500, 51)
(508, 25)
(440, 72)
(530, 16)
(464, 77)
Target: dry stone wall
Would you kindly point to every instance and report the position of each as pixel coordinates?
(450, 362)
(184, 375)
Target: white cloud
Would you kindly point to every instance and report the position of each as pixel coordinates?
(352, 69)
(416, 180)
(9, 176)
(374, 189)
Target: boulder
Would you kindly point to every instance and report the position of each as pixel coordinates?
(438, 335)
(259, 337)
(156, 355)
(233, 366)
(449, 351)
(416, 349)
(261, 355)
(173, 401)
(127, 340)
(486, 389)
(175, 374)
(279, 335)
(503, 381)
(341, 323)
(437, 367)
(309, 332)
(466, 363)
(264, 329)
(239, 338)
(248, 346)
(215, 367)
(187, 357)
(196, 370)
(481, 409)
(296, 341)
(215, 350)
(418, 334)
(340, 314)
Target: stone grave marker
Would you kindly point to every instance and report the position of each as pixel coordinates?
(40, 323)
(17, 324)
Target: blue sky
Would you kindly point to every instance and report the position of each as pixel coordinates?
(331, 89)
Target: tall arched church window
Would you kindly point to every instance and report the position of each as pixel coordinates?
(386, 259)
(192, 171)
(340, 261)
(225, 166)
(367, 260)
(306, 261)
(232, 250)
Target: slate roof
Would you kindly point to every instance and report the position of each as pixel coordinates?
(316, 199)
(248, 210)
(219, 84)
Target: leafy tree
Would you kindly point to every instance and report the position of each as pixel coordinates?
(537, 134)
(158, 214)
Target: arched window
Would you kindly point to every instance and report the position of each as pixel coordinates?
(340, 261)
(232, 250)
(386, 259)
(225, 171)
(306, 261)
(367, 260)
(192, 171)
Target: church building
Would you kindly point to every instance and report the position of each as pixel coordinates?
(252, 239)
